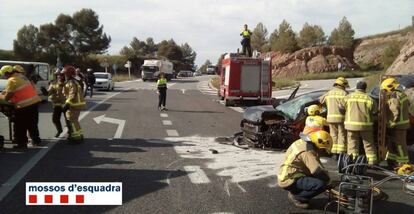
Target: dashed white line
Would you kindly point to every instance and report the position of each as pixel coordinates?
(167, 122)
(164, 115)
(238, 109)
(172, 133)
(196, 175)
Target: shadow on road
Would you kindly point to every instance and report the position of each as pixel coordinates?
(188, 111)
(96, 160)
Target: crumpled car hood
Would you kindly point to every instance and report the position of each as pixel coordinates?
(256, 114)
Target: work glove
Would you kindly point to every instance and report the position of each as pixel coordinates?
(44, 91)
(66, 107)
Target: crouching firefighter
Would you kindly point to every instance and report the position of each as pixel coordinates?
(314, 122)
(302, 173)
(73, 105)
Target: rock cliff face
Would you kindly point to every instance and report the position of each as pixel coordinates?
(369, 52)
(311, 60)
(404, 64)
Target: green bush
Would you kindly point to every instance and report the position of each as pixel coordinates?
(123, 77)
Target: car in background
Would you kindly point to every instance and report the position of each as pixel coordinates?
(196, 74)
(267, 126)
(185, 73)
(104, 81)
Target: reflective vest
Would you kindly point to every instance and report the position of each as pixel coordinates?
(74, 94)
(314, 123)
(334, 99)
(246, 33)
(162, 83)
(56, 93)
(359, 108)
(23, 91)
(398, 111)
(300, 158)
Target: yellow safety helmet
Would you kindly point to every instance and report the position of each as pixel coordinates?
(19, 69)
(321, 139)
(6, 69)
(341, 81)
(313, 110)
(405, 169)
(389, 84)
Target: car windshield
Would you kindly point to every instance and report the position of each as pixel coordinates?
(101, 76)
(292, 108)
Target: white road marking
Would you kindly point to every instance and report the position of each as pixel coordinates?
(183, 90)
(196, 175)
(237, 109)
(250, 165)
(7, 186)
(164, 115)
(172, 133)
(240, 187)
(121, 124)
(226, 187)
(167, 122)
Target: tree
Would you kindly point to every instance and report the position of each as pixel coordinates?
(203, 68)
(189, 55)
(88, 36)
(151, 46)
(343, 35)
(170, 50)
(26, 46)
(259, 37)
(284, 39)
(311, 35)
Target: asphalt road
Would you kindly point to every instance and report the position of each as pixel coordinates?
(168, 162)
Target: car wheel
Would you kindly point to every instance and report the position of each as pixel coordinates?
(144, 80)
(113, 87)
(109, 88)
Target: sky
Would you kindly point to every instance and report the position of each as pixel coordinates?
(210, 27)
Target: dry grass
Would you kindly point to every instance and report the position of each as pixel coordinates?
(215, 82)
(123, 77)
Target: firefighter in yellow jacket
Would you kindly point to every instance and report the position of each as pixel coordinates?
(74, 103)
(397, 122)
(57, 97)
(21, 93)
(333, 100)
(314, 122)
(360, 109)
(302, 173)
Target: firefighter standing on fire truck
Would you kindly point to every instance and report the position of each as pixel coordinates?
(21, 93)
(360, 110)
(73, 105)
(334, 99)
(397, 122)
(245, 42)
(302, 173)
(314, 122)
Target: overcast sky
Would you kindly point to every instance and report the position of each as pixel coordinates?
(211, 27)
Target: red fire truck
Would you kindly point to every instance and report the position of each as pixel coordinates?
(244, 79)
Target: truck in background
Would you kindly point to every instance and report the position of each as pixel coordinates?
(37, 72)
(244, 79)
(211, 69)
(153, 67)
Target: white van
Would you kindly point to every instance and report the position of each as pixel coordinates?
(38, 72)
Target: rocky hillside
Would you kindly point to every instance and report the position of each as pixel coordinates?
(369, 51)
(311, 60)
(404, 64)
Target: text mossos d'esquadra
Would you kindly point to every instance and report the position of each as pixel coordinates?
(75, 188)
